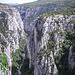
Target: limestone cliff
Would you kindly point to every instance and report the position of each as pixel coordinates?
(11, 30)
(48, 44)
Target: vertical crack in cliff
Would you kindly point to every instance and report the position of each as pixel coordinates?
(29, 54)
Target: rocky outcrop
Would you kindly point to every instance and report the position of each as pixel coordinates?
(45, 42)
(11, 30)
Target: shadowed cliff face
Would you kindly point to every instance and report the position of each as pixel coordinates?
(11, 30)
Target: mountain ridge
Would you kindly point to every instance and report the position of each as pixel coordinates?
(43, 2)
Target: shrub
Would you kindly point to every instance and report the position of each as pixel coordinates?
(17, 59)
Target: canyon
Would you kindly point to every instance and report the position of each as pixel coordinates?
(38, 40)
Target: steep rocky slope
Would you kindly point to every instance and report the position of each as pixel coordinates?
(51, 44)
(11, 30)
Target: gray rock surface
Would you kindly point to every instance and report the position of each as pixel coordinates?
(11, 30)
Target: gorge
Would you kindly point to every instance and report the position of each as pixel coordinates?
(38, 40)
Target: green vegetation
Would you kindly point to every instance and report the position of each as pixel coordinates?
(36, 3)
(62, 58)
(64, 12)
(51, 43)
(43, 2)
(17, 59)
(3, 29)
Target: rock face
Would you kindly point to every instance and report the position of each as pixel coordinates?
(45, 43)
(11, 30)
